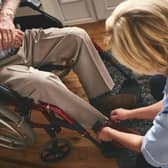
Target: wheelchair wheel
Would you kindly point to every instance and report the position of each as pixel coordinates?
(15, 133)
(55, 150)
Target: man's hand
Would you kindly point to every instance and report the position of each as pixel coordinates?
(10, 37)
(18, 38)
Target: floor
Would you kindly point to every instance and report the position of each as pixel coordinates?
(84, 154)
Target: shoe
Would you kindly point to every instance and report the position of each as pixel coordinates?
(128, 97)
(131, 86)
(132, 165)
(112, 149)
(106, 103)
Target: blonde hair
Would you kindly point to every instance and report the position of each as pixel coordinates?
(138, 35)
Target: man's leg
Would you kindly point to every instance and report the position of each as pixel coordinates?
(69, 46)
(96, 79)
(48, 88)
(73, 47)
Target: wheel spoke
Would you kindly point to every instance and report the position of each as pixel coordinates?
(9, 126)
(15, 133)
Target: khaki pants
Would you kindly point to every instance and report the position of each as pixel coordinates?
(66, 46)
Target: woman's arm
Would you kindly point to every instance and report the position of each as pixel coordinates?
(130, 141)
(148, 112)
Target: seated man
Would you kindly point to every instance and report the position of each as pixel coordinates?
(70, 46)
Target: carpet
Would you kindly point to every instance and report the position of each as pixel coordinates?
(125, 157)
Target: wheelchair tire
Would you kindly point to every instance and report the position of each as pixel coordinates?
(15, 132)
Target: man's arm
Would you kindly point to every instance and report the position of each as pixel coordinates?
(9, 8)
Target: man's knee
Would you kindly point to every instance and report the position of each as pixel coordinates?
(41, 78)
(78, 33)
(40, 84)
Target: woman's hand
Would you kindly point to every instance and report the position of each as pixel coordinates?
(119, 114)
(105, 134)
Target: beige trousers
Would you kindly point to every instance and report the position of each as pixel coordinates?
(65, 46)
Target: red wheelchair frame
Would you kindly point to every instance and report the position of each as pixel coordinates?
(57, 149)
(52, 114)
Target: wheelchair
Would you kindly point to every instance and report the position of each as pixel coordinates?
(16, 128)
(16, 125)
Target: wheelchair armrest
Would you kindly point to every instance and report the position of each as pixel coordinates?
(30, 3)
(41, 20)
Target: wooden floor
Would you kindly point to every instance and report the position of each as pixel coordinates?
(84, 154)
